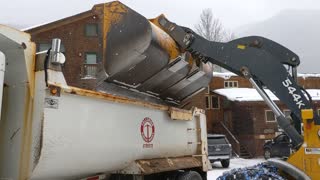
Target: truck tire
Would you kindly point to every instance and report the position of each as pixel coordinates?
(189, 175)
(225, 163)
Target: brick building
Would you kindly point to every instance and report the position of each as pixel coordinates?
(243, 122)
(81, 43)
(114, 49)
(234, 108)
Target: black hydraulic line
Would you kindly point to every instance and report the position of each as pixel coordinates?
(46, 62)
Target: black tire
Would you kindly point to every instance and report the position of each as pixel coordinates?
(267, 153)
(225, 163)
(189, 175)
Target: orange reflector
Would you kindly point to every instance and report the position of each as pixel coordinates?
(54, 91)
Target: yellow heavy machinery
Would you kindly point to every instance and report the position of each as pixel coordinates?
(263, 62)
(42, 139)
(260, 60)
(307, 157)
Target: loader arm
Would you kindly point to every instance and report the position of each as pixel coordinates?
(258, 59)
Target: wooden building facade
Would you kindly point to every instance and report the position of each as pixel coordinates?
(82, 44)
(235, 109)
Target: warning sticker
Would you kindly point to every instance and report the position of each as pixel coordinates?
(312, 150)
(51, 103)
(147, 130)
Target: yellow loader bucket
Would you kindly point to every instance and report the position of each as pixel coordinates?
(140, 56)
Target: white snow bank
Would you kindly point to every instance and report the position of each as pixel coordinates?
(250, 94)
(314, 93)
(217, 169)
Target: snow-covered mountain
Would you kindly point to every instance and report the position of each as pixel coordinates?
(299, 30)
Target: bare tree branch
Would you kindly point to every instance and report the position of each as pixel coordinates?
(212, 29)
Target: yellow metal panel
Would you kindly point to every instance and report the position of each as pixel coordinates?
(240, 46)
(112, 13)
(165, 41)
(307, 158)
(307, 113)
(180, 114)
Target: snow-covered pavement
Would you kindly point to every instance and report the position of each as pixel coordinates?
(217, 169)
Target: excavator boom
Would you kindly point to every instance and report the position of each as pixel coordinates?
(258, 59)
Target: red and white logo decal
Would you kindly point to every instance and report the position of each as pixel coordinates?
(147, 130)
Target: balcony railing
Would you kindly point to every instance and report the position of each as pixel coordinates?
(89, 71)
(232, 139)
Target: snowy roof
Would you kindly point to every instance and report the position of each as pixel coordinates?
(224, 75)
(307, 75)
(228, 75)
(250, 94)
(314, 93)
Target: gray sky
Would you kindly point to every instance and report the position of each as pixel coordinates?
(232, 13)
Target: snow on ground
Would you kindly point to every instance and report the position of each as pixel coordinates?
(217, 169)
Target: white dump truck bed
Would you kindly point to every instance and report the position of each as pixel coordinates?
(63, 132)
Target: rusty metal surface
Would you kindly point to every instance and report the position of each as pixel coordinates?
(180, 114)
(139, 55)
(170, 75)
(187, 86)
(151, 166)
(109, 97)
(100, 126)
(114, 89)
(15, 136)
(133, 52)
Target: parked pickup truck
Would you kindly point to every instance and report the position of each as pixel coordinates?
(277, 147)
(219, 149)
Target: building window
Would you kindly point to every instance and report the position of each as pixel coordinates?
(91, 58)
(212, 102)
(269, 116)
(318, 111)
(230, 84)
(90, 66)
(207, 102)
(45, 46)
(215, 102)
(91, 29)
